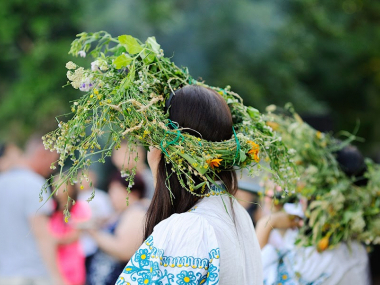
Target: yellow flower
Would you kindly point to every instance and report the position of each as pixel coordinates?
(273, 125)
(81, 187)
(318, 135)
(96, 92)
(66, 219)
(214, 162)
(323, 243)
(92, 95)
(254, 151)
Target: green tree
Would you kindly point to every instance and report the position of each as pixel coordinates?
(35, 37)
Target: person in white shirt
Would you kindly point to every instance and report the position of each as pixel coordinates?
(188, 239)
(27, 250)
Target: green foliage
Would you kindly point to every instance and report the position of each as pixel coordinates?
(320, 55)
(34, 37)
(126, 101)
(337, 209)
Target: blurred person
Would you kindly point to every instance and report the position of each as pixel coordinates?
(123, 234)
(70, 255)
(284, 262)
(100, 205)
(123, 159)
(248, 193)
(10, 155)
(27, 249)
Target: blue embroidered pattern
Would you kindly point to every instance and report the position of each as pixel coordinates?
(148, 266)
(285, 274)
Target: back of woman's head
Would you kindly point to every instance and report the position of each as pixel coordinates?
(351, 161)
(201, 112)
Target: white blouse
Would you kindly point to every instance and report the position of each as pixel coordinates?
(213, 243)
(288, 264)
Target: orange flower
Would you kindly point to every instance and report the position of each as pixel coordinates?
(323, 243)
(254, 151)
(214, 162)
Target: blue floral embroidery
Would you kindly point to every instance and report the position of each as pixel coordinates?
(186, 278)
(146, 278)
(141, 256)
(148, 264)
(285, 274)
(212, 273)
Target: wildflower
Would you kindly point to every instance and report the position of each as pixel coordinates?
(96, 92)
(273, 125)
(319, 135)
(99, 64)
(82, 53)
(92, 95)
(94, 65)
(86, 85)
(71, 65)
(66, 219)
(254, 151)
(214, 162)
(323, 243)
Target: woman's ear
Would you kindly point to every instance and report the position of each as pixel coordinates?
(154, 157)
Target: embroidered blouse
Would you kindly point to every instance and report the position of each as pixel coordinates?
(213, 243)
(287, 264)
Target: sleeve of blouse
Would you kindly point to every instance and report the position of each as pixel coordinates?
(182, 250)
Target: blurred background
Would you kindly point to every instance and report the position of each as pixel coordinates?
(321, 55)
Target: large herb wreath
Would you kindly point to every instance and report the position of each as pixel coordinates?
(125, 92)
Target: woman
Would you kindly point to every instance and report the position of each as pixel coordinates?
(123, 234)
(285, 263)
(71, 259)
(188, 239)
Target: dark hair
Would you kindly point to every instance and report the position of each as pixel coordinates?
(138, 185)
(351, 161)
(206, 114)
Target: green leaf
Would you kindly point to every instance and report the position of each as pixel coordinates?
(148, 56)
(130, 43)
(253, 113)
(153, 44)
(243, 157)
(122, 61)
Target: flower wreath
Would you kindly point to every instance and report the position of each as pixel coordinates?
(338, 210)
(126, 89)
